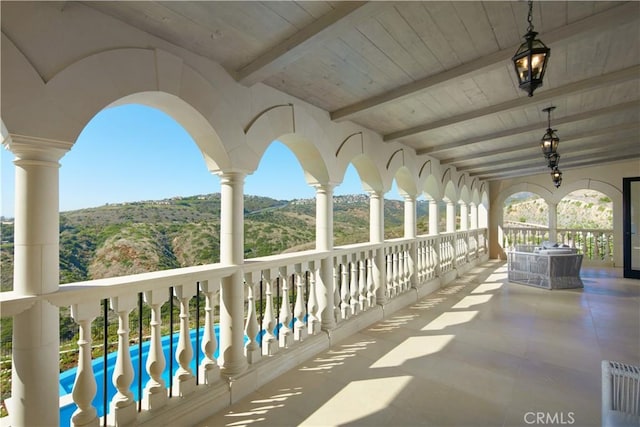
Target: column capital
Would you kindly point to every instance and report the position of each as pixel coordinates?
(323, 187)
(36, 148)
(231, 177)
(375, 194)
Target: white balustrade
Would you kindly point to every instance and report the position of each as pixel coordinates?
(155, 391)
(209, 371)
(313, 319)
(595, 244)
(123, 408)
(269, 340)
(84, 386)
(285, 333)
(184, 381)
(354, 303)
(300, 329)
(298, 315)
(252, 348)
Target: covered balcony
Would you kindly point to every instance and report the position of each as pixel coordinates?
(420, 94)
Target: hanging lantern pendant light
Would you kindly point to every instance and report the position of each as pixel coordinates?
(549, 142)
(531, 59)
(556, 177)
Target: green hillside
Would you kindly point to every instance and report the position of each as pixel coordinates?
(578, 209)
(128, 238)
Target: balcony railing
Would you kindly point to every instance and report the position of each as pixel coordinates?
(596, 245)
(282, 311)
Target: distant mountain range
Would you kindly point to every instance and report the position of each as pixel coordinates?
(129, 238)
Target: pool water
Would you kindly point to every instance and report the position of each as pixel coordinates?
(68, 377)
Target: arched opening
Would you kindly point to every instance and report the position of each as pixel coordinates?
(350, 210)
(135, 196)
(393, 213)
(279, 205)
(525, 219)
(585, 222)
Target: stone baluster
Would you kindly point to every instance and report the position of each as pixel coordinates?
(299, 326)
(84, 387)
(371, 284)
(344, 290)
(407, 267)
(362, 284)
(123, 408)
(184, 382)
(252, 328)
(209, 371)
(313, 319)
(389, 283)
(286, 333)
(155, 391)
(396, 272)
(269, 342)
(337, 299)
(353, 288)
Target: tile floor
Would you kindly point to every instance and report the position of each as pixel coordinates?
(479, 352)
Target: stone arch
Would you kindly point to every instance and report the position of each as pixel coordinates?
(450, 193)
(432, 188)
(405, 181)
(611, 191)
(292, 127)
(73, 96)
(465, 195)
(368, 173)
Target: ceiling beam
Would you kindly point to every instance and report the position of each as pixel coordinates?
(625, 74)
(327, 27)
(593, 147)
(586, 133)
(588, 160)
(528, 128)
(610, 17)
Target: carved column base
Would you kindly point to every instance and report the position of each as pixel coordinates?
(286, 340)
(300, 334)
(184, 386)
(124, 415)
(314, 327)
(84, 421)
(154, 398)
(253, 355)
(209, 374)
(269, 348)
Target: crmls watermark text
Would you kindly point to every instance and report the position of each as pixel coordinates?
(542, 418)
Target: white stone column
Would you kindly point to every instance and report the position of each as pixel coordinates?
(36, 331)
(464, 216)
(409, 217)
(433, 217)
(324, 242)
(232, 359)
(451, 217)
(376, 235)
(474, 216)
(410, 232)
(553, 222)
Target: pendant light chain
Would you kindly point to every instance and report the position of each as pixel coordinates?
(529, 16)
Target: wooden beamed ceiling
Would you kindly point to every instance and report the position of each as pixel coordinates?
(434, 76)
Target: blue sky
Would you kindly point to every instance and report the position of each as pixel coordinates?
(132, 152)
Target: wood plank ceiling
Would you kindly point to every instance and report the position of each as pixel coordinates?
(435, 76)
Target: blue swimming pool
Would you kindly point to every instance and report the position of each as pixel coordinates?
(67, 378)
